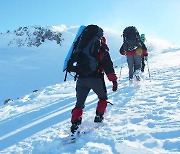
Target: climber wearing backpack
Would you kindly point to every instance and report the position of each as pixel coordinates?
(94, 81)
(142, 37)
(134, 49)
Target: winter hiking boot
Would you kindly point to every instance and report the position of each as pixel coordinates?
(75, 129)
(75, 125)
(137, 75)
(99, 117)
(138, 78)
(74, 132)
(130, 81)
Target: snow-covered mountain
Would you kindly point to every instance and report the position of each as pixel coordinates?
(144, 118)
(33, 36)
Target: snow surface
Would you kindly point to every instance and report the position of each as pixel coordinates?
(144, 117)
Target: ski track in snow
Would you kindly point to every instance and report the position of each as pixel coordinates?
(143, 119)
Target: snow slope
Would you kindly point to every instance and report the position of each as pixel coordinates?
(25, 69)
(144, 118)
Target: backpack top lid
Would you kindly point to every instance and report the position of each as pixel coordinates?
(88, 34)
(142, 37)
(130, 33)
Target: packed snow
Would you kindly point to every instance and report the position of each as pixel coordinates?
(144, 117)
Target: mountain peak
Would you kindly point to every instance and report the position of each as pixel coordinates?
(34, 35)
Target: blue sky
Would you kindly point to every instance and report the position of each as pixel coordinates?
(155, 18)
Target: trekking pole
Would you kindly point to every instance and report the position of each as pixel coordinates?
(149, 71)
(65, 76)
(120, 73)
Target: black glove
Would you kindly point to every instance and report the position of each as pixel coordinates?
(115, 86)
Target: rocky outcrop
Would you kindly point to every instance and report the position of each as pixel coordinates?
(34, 36)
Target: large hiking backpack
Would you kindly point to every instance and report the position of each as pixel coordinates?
(131, 39)
(142, 37)
(86, 48)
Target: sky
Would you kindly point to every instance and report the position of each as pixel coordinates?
(154, 18)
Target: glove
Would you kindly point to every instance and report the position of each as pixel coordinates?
(115, 86)
(112, 76)
(146, 58)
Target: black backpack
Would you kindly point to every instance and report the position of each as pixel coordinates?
(131, 39)
(86, 48)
